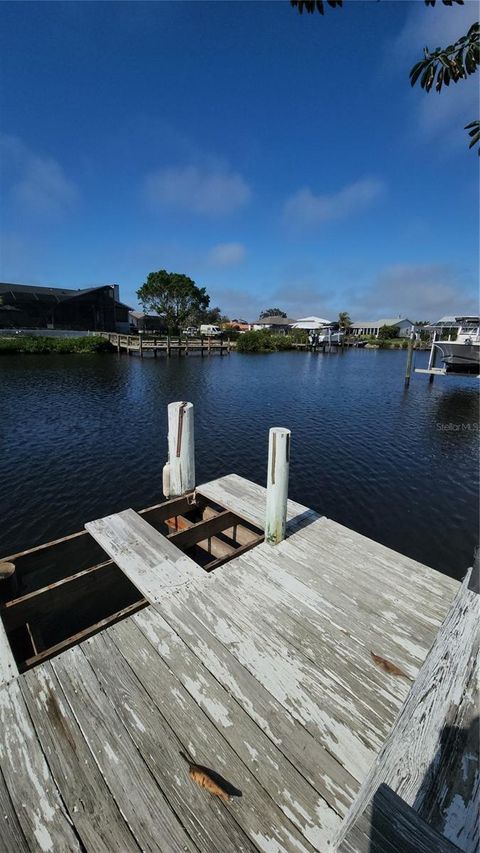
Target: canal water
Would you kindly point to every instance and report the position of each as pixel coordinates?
(84, 436)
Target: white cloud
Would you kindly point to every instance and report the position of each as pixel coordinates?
(38, 184)
(212, 190)
(306, 208)
(226, 255)
(419, 291)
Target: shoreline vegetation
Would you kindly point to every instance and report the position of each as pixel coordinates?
(38, 344)
(261, 341)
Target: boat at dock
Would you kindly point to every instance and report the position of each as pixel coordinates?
(463, 354)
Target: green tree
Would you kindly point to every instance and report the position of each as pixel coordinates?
(344, 321)
(443, 65)
(214, 317)
(386, 333)
(272, 312)
(174, 296)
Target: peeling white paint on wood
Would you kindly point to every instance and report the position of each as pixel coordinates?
(32, 790)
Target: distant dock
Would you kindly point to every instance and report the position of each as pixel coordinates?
(327, 683)
(158, 345)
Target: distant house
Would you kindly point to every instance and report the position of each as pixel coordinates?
(372, 327)
(312, 324)
(275, 322)
(238, 325)
(141, 322)
(95, 309)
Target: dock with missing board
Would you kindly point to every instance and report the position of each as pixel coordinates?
(283, 672)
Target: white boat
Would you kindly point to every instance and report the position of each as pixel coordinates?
(462, 354)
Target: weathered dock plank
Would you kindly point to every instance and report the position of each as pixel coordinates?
(305, 691)
(255, 811)
(287, 787)
(150, 560)
(91, 806)
(389, 825)
(212, 826)
(418, 760)
(322, 593)
(8, 667)
(308, 756)
(32, 790)
(140, 800)
(12, 839)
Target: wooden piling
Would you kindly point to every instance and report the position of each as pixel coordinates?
(169, 348)
(432, 359)
(140, 343)
(155, 353)
(209, 344)
(277, 484)
(181, 448)
(408, 371)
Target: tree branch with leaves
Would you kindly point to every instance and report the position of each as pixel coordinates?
(442, 66)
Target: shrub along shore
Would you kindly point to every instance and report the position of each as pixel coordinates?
(34, 344)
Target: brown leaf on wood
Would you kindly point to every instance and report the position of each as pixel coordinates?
(388, 666)
(204, 778)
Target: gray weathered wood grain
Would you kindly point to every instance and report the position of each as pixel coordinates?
(255, 812)
(411, 755)
(149, 559)
(33, 793)
(207, 821)
(316, 820)
(308, 756)
(389, 825)
(8, 667)
(306, 691)
(137, 794)
(363, 615)
(300, 618)
(12, 839)
(90, 804)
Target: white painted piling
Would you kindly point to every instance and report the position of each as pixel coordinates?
(277, 484)
(179, 476)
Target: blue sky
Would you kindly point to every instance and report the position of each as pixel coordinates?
(276, 159)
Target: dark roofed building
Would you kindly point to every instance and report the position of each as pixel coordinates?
(95, 309)
(275, 322)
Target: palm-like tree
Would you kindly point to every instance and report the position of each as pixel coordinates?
(344, 321)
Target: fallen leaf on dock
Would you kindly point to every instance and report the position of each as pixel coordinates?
(388, 666)
(206, 778)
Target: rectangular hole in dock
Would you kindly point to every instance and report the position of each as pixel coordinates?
(204, 530)
(67, 590)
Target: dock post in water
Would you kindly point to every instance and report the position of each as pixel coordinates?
(408, 371)
(277, 484)
(179, 472)
(433, 357)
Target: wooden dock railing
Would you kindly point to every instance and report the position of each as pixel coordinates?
(167, 345)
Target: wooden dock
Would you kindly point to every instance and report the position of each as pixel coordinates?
(282, 672)
(166, 345)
